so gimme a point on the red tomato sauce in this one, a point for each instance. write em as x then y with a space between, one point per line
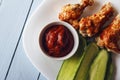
57 41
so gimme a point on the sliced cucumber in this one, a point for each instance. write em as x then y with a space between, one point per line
90 53
70 66
98 67
110 69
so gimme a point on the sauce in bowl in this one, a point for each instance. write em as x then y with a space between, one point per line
56 40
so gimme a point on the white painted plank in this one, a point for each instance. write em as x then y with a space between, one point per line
42 77
12 17
1 2
26 68
21 68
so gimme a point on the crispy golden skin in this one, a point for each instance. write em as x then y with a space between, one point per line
91 25
72 12
110 37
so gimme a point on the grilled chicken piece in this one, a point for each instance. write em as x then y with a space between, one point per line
91 25
72 12
110 37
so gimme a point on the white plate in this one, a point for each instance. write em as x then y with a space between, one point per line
48 12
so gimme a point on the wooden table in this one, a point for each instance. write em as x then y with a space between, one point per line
14 65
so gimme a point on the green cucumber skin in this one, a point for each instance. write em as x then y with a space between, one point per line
99 65
70 66
110 69
109 76
90 53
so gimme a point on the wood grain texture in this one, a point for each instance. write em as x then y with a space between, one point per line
12 18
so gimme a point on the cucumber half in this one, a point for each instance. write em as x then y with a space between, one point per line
99 66
70 66
110 68
89 55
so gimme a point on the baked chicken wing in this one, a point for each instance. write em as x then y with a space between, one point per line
72 12
91 25
110 37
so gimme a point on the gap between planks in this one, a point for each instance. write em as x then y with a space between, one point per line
19 41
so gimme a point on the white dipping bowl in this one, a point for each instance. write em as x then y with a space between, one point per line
74 34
